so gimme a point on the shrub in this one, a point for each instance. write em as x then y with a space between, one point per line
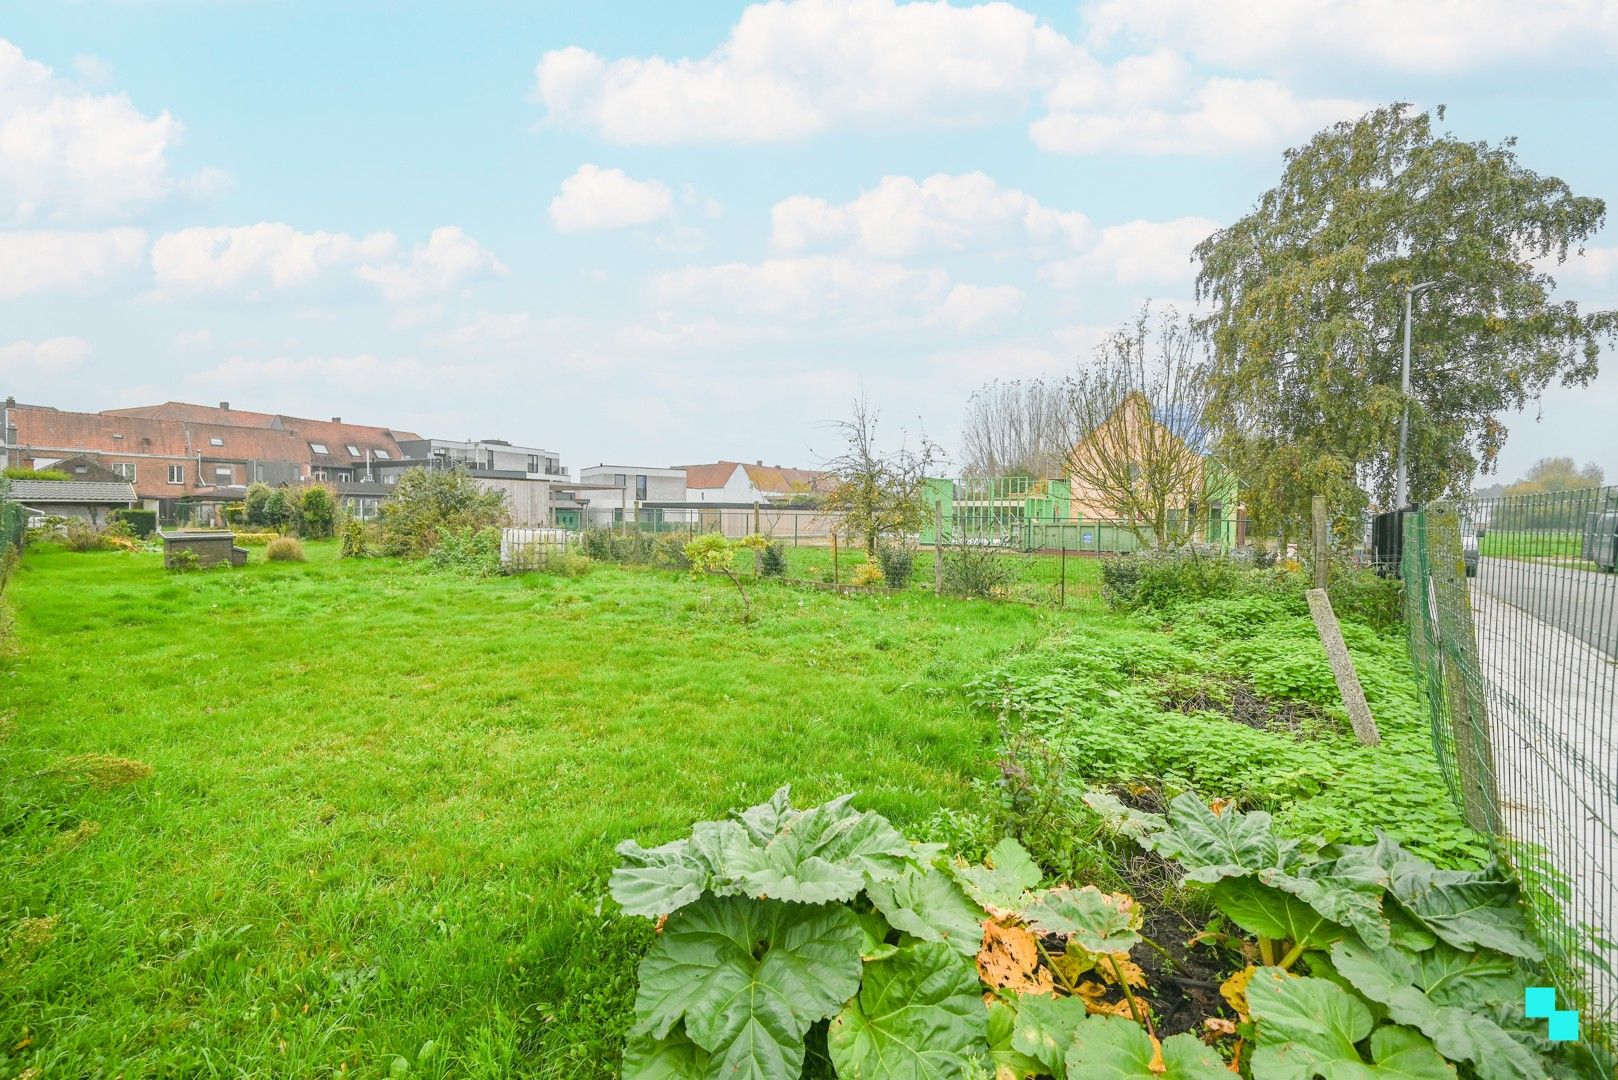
19 473
713 553
140 522
974 570
254 539
772 560
468 552
428 504
317 512
564 563
183 561
235 514
353 539
1362 594
669 552
636 547
80 535
1156 579
253 506
898 561
284 549
866 575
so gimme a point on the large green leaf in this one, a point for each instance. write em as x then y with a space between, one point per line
1347 891
928 904
919 1016
825 854
1007 1061
1388 977
1469 978
674 1057
1097 922
1045 1027
748 978
1212 846
1112 1048
661 880
828 853
1310 1027
1265 911
1000 885
1124 820
1469 909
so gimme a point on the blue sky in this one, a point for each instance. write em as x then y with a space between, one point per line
666 233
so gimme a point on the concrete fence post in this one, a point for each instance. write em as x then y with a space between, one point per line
1322 539
938 548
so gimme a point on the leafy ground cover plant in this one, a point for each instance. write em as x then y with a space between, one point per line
1233 697
780 929
713 553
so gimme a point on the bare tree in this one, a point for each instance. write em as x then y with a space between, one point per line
1137 427
1014 429
878 491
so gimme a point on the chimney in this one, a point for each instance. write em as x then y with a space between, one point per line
225 405
337 419
759 462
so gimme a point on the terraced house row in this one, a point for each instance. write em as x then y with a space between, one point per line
188 462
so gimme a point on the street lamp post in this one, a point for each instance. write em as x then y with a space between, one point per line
1400 486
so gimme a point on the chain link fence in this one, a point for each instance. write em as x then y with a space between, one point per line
13 523
1512 606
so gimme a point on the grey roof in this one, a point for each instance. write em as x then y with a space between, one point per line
38 492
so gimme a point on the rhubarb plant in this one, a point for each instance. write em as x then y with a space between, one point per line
779 926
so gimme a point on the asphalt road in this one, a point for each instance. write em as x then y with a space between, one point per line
1582 603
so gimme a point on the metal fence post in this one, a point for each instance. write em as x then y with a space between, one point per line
834 556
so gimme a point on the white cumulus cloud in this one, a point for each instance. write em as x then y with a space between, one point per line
52 260
793 69
594 198
975 308
903 217
1135 253
53 355
270 253
1446 35
68 155
449 260
790 69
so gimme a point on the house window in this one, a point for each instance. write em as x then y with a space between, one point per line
223 474
81 469
320 474
216 441
619 479
640 487
319 448
380 455
353 451
176 474
488 460
125 469
343 477
533 463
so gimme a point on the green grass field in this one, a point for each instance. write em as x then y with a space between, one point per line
382 803
1529 544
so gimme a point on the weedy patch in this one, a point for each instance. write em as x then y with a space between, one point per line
1237 700
32 934
100 771
82 833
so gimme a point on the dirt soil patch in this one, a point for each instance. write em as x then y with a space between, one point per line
1236 699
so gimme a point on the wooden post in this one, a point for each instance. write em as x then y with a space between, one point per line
1322 539
938 548
834 556
1342 668
1061 600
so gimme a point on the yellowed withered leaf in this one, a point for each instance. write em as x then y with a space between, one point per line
1009 960
1094 996
1234 990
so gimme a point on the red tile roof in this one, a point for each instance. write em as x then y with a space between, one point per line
767 478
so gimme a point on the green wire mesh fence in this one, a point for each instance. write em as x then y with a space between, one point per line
1512 606
13 524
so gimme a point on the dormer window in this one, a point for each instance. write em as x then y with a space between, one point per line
319 448
381 455
353 451
216 441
